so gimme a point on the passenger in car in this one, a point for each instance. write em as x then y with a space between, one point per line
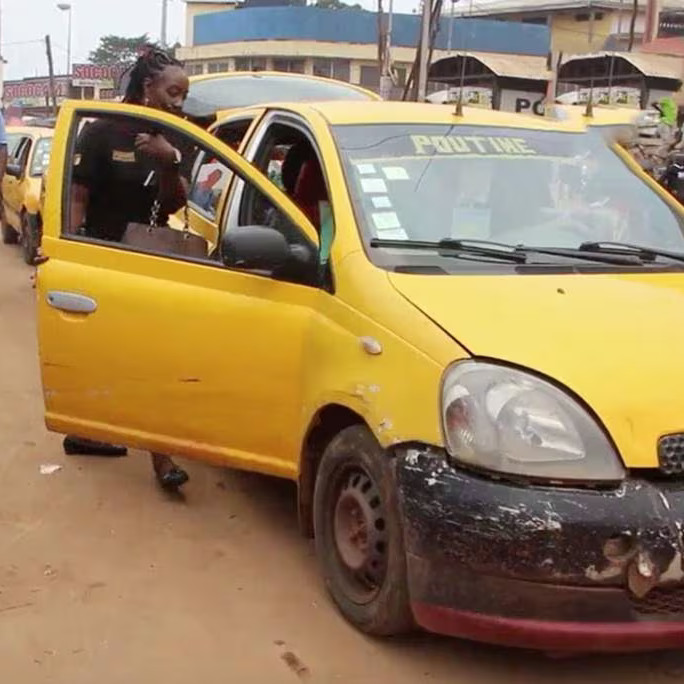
120 170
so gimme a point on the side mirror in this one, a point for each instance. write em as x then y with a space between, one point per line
259 248
14 170
254 248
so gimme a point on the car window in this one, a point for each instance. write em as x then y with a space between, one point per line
210 179
41 157
13 140
515 186
251 89
287 155
20 153
119 191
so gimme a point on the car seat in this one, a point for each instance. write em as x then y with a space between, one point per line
309 190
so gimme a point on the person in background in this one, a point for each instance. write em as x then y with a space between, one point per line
3 162
113 164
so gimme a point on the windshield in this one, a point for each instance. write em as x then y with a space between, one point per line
244 91
41 156
513 186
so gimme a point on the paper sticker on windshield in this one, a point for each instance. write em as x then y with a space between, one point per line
385 220
476 145
365 169
382 202
373 185
394 173
396 234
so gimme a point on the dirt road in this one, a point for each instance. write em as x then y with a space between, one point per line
103 579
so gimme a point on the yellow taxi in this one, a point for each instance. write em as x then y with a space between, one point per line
28 155
214 95
458 334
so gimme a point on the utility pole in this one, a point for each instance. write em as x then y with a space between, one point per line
51 72
164 22
424 51
652 20
385 23
632 25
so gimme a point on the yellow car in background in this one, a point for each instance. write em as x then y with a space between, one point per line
28 155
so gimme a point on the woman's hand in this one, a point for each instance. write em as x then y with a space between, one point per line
157 147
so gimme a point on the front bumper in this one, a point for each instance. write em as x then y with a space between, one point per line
542 567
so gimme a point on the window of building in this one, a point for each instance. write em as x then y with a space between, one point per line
194 69
341 70
400 76
293 66
535 20
370 76
586 16
322 67
219 67
332 68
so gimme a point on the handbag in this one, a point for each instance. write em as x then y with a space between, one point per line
164 239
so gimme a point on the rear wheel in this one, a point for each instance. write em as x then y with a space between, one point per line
359 537
28 239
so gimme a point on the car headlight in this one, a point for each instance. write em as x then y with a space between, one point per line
509 421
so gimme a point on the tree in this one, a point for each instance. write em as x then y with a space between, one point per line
114 50
335 4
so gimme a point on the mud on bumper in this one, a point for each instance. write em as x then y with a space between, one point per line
542 567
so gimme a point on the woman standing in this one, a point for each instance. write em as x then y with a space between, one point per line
120 171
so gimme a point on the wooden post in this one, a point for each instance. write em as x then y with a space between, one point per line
424 51
632 25
51 72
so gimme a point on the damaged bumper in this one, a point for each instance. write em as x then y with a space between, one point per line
542 567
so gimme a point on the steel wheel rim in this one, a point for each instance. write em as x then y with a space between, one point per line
359 534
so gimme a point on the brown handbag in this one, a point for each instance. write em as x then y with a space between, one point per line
164 239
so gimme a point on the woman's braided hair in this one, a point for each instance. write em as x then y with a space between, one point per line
150 64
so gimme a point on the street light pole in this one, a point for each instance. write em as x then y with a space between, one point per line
164 22
66 7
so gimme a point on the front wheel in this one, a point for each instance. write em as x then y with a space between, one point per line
359 537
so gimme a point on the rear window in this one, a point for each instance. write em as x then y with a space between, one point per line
237 91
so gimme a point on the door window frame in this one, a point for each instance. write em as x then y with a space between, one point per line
250 153
75 114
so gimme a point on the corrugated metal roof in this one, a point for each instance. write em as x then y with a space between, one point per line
488 7
509 66
655 66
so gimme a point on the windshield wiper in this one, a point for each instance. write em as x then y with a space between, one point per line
453 247
518 254
625 248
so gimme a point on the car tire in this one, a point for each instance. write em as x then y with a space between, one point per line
28 240
359 535
9 235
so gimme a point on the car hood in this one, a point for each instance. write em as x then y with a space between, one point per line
616 341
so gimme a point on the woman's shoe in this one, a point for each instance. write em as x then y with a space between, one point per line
172 480
78 446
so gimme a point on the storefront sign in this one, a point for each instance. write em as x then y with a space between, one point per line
32 92
97 76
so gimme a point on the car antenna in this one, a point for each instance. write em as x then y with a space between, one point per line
464 58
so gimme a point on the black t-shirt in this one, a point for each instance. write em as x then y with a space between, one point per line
122 183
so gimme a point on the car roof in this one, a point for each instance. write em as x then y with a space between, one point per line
34 131
386 112
602 115
280 75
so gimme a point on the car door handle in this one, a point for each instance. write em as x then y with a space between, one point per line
71 302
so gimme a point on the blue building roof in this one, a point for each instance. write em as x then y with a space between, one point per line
360 26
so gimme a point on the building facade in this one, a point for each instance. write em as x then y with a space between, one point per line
334 43
576 26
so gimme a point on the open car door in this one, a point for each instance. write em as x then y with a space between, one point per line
200 357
